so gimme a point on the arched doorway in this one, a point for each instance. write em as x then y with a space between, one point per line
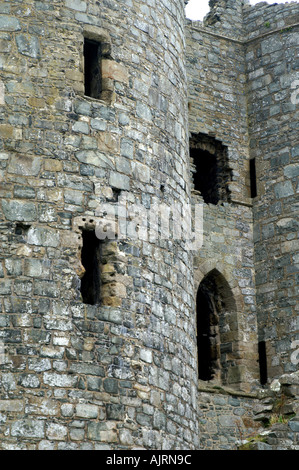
217 329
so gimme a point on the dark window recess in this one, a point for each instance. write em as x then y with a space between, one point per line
209 165
253 187
217 331
22 229
92 68
205 367
91 258
263 362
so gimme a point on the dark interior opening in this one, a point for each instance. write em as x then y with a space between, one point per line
91 254
205 371
210 168
253 187
217 332
92 68
205 178
263 362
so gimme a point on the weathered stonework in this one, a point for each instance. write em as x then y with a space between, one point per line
121 371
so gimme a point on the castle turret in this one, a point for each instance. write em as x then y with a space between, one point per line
98 340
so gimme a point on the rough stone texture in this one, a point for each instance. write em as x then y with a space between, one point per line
103 375
225 418
123 374
216 70
273 116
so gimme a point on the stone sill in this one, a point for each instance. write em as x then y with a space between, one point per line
223 390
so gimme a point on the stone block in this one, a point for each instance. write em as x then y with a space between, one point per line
101 432
284 189
28 429
291 171
11 406
143 111
92 157
2 93
125 437
9 23
53 165
294 424
39 365
40 236
13 267
127 148
111 386
28 45
28 381
87 411
56 432
77 5
114 71
24 192
81 127
108 142
24 165
119 181
115 412
6 131
46 289
39 268
59 380
88 369
19 210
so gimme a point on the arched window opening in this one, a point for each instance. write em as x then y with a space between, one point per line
217 330
210 170
207 334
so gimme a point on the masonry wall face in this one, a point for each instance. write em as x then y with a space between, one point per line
272 66
122 374
217 108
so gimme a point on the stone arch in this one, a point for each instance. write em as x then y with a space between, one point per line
207 266
218 332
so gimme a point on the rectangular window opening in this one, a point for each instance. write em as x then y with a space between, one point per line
263 362
91 260
92 68
211 174
253 187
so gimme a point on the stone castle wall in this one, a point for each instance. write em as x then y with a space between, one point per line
242 91
121 372
217 107
272 68
75 375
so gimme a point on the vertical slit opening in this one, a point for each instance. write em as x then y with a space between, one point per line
205 371
253 187
263 362
91 258
92 68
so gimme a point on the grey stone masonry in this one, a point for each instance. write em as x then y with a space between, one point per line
148 226
120 373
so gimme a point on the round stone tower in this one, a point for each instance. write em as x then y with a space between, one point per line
98 346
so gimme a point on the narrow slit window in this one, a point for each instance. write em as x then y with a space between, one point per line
91 259
253 187
263 362
92 68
